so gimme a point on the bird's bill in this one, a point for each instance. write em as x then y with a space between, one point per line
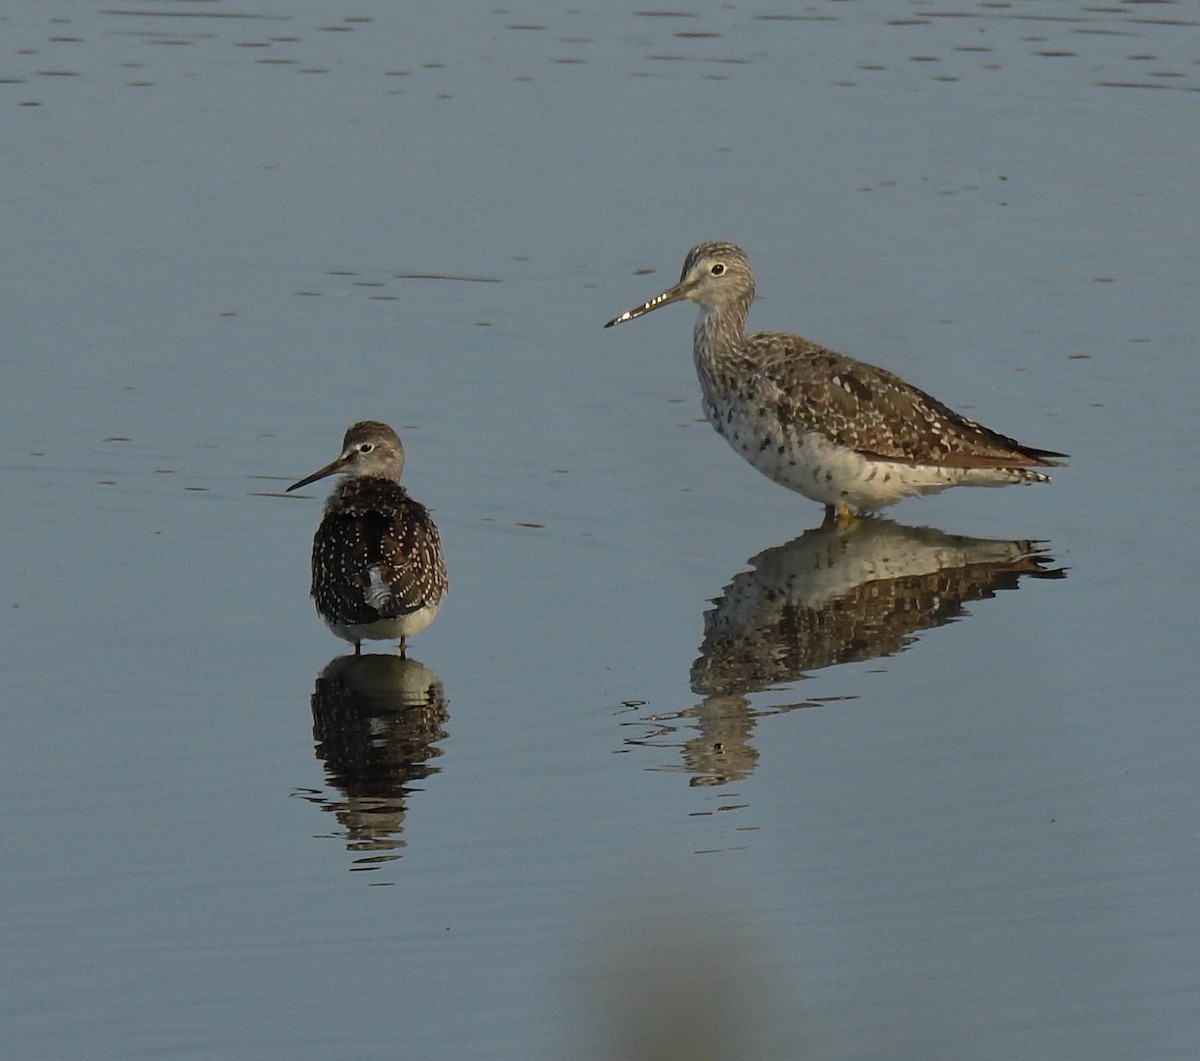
673 294
332 468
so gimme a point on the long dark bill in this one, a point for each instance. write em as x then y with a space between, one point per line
673 294
332 468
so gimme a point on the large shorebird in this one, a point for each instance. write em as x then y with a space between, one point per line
839 431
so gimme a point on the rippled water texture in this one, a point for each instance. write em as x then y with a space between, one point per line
673 773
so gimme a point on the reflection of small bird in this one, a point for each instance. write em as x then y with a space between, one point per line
377 569
377 721
841 432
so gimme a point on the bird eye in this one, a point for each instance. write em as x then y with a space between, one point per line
366 447
718 269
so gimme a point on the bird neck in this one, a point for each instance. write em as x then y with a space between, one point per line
718 335
365 489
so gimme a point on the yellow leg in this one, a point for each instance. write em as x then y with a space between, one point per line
838 516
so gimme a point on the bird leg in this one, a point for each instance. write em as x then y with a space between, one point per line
838 516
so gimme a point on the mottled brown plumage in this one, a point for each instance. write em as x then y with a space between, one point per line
838 594
377 567
847 434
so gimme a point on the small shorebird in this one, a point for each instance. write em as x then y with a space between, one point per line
377 568
847 434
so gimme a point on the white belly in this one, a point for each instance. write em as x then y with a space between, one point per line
386 629
834 475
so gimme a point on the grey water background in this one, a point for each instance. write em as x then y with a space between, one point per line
573 827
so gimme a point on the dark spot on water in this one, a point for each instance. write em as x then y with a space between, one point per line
448 276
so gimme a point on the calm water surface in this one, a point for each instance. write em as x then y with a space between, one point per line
672 771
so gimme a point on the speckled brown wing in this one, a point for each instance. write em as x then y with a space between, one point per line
376 554
875 412
411 551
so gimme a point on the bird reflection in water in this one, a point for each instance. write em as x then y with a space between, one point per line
836 594
376 721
